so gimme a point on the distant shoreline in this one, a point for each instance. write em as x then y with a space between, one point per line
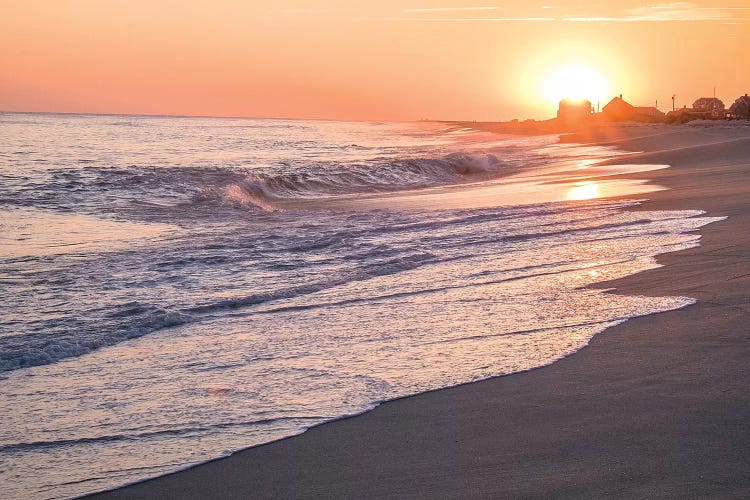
555 126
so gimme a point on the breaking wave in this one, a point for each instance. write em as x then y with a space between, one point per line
262 189
142 191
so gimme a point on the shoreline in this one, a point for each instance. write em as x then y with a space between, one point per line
603 421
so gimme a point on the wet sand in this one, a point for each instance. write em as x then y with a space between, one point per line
656 407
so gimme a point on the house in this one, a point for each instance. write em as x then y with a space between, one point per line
618 110
740 108
571 110
710 108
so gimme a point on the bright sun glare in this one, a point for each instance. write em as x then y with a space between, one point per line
575 82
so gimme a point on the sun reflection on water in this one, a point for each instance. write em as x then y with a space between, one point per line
583 191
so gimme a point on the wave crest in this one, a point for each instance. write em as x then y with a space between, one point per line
262 189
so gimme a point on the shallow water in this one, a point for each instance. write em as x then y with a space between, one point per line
176 289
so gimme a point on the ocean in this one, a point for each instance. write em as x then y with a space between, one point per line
176 289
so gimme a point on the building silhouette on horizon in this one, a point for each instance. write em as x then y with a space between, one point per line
710 107
740 109
619 110
573 110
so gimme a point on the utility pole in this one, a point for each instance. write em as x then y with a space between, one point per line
673 96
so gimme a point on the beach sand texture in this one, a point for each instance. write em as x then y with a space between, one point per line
657 407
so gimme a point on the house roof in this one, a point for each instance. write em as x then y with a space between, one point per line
741 105
618 104
708 103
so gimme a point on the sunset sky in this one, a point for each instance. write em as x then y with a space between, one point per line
339 59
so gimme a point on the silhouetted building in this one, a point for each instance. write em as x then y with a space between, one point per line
618 110
573 110
710 108
740 108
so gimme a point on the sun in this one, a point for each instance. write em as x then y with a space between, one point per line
575 82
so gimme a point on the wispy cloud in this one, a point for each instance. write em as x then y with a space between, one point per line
666 12
680 11
476 19
448 9
681 5
674 11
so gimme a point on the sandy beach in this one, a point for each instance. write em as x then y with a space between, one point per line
657 407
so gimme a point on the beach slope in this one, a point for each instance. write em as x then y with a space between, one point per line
656 407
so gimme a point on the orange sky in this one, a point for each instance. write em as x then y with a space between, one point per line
394 59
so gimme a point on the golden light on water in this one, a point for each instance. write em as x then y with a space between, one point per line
575 82
584 191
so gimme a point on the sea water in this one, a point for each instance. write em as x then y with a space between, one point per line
175 289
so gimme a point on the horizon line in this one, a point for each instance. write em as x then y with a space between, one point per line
228 117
